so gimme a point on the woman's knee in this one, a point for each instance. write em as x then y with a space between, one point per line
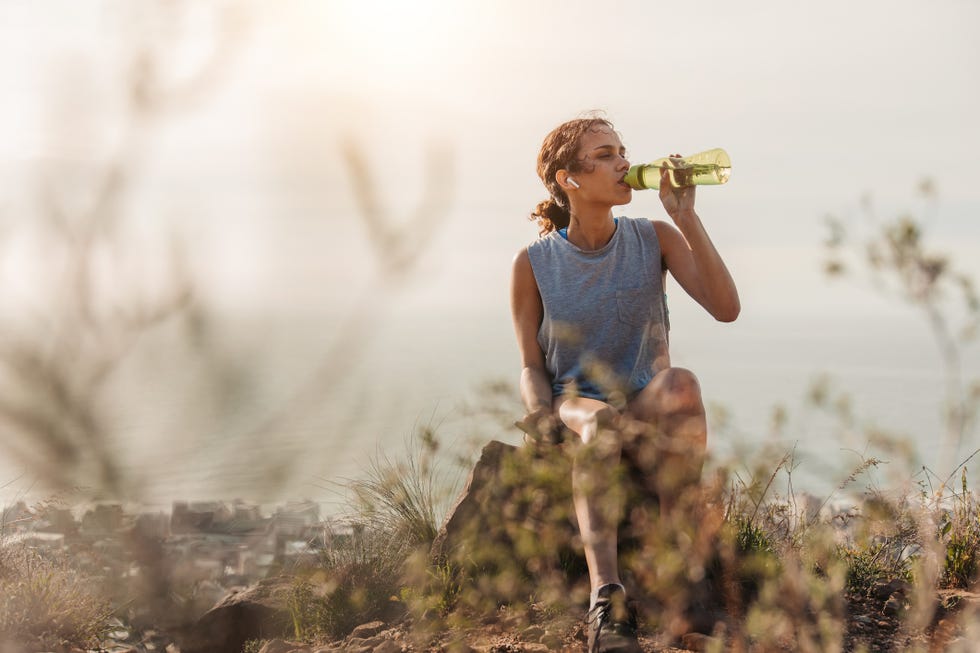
682 385
673 391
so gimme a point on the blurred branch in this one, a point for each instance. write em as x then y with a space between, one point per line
150 89
898 261
51 417
59 422
399 250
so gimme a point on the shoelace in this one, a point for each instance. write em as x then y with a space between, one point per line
598 616
601 616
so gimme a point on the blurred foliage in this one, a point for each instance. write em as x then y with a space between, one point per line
68 367
56 369
895 255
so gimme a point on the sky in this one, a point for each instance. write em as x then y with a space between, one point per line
820 106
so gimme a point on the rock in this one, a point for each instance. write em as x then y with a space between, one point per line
363 643
513 523
369 629
894 605
512 520
388 646
280 646
532 634
883 590
480 647
701 642
957 598
258 612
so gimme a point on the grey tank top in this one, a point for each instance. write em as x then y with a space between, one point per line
605 328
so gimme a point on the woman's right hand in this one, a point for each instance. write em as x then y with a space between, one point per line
542 426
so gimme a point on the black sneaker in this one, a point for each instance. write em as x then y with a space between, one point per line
612 624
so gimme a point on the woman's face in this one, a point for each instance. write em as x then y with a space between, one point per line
602 165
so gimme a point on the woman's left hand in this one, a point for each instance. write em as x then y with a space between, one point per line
676 201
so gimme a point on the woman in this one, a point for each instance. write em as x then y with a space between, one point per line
591 320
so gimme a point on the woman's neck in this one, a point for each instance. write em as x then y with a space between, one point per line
590 231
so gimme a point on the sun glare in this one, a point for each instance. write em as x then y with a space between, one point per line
397 24
398 42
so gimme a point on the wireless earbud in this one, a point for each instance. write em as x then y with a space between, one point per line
572 182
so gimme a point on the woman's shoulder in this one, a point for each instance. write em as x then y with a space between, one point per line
648 224
639 223
541 244
648 234
643 226
526 254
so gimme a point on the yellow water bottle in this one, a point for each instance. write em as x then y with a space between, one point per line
701 169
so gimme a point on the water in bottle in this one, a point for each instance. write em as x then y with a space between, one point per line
704 168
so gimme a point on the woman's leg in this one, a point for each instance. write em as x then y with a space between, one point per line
669 433
597 492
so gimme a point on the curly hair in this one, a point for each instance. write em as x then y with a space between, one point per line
560 151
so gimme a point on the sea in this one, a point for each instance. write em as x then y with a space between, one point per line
271 410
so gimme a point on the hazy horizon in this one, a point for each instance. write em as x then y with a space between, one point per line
821 107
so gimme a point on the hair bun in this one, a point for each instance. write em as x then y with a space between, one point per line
550 216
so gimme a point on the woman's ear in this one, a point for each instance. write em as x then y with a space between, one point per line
564 180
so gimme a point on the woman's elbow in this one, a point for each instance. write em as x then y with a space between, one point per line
729 312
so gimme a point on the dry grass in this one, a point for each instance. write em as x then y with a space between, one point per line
392 515
44 603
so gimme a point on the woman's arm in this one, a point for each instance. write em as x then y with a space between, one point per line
692 258
527 311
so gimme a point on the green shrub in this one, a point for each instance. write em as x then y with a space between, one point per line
751 538
880 561
435 592
959 531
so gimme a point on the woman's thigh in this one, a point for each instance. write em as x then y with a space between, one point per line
580 414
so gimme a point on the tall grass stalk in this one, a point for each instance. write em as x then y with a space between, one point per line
403 499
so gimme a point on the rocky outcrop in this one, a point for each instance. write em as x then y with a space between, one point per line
514 526
258 612
514 514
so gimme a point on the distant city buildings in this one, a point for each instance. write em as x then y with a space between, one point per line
215 542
